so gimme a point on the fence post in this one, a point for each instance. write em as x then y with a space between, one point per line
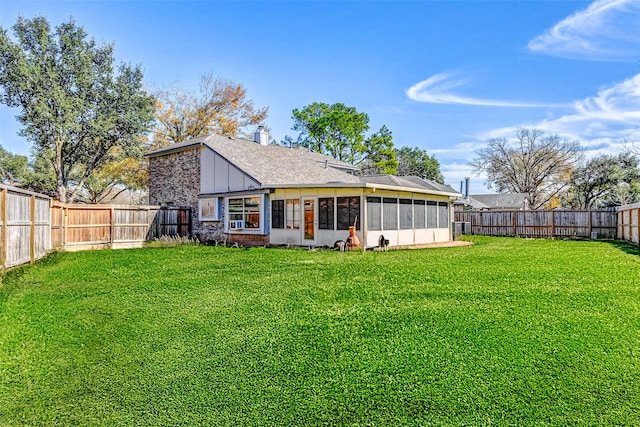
3 214
65 228
553 224
513 223
32 237
589 222
112 229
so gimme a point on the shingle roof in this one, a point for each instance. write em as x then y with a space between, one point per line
511 201
274 165
406 181
495 201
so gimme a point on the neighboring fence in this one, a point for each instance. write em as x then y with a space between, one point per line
31 225
24 226
595 224
629 223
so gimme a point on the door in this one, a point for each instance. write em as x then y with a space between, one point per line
309 220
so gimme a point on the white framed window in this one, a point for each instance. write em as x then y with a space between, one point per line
293 214
209 209
244 213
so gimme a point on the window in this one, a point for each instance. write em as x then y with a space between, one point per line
432 215
209 209
443 215
374 213
244 213
406 214
419 217
325 214
277 214
389 213
348 212
293 214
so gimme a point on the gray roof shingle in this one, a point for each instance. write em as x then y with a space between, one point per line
274 165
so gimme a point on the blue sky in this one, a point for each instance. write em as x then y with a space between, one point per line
442 75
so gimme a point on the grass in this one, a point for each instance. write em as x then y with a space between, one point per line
506 332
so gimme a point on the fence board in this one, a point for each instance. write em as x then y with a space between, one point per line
629 223
31 225
24 226
542 223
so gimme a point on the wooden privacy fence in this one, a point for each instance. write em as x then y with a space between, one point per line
31 225
594 224
24 226
629 222
78 226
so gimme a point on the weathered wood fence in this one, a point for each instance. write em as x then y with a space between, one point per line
25 221
593 224
629 223
31 225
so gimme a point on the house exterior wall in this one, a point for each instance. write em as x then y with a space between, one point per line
414 236
220 176
174 180
368 237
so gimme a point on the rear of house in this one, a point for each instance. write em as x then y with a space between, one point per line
253 193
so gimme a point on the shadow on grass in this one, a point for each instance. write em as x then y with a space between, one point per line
626 247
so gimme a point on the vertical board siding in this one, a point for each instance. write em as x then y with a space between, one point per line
542 223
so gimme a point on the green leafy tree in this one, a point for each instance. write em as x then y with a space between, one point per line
13 167
535 165
606 180
75 107
339 132
416 161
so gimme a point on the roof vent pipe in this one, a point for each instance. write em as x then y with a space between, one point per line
466 187
261 136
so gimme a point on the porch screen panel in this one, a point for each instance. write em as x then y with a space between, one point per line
406 214
326 214
277 214
432 215
348 212
374 213
443 215
419 218
389 213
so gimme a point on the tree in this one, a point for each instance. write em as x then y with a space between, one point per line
13 168
221 107
415 161
535 165
75 108
606 180
339 132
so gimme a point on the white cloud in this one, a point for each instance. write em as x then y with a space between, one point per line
601 123
606 30
437 90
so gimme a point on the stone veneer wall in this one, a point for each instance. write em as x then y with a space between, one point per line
174 180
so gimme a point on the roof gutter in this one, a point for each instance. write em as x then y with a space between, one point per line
367 185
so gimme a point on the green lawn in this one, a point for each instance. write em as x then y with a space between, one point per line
506 332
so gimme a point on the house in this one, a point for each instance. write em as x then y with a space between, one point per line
256 194
515 201
502 201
